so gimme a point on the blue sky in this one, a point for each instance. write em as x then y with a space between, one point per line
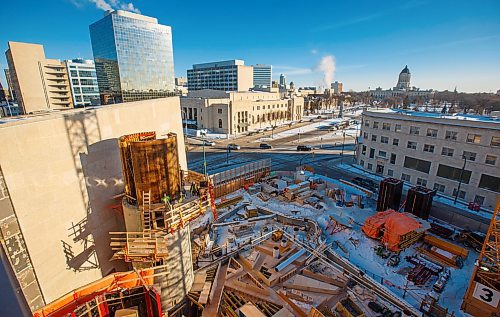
444 43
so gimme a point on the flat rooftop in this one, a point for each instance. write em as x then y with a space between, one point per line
436 115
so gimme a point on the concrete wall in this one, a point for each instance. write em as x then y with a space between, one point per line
61 171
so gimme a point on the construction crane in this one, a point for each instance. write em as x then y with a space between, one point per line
483 294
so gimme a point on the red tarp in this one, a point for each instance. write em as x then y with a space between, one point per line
395 225
374 224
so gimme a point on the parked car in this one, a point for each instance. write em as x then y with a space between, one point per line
234 146
268 128
208 143
366 183
265 146
304 148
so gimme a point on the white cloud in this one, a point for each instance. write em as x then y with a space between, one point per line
106 5
314 51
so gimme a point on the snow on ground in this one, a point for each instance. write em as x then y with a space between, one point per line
303 129
360 248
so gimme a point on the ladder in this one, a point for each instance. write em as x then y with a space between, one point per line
212 199
146 213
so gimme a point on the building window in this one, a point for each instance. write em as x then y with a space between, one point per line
375 124
406 177
490 183
220 123
369 166
395 142
490 159
439 187
469 156
219 110
384 139
390 172
451 135
362 163
386 126
495 141
421 182
461 194
429 148
258 107
367 123
479 200
453 173
417 164
382 153
446 151
372 153
365 135
412 145
393 158
397 128
374 138
414 130
433 133
363 150
473 138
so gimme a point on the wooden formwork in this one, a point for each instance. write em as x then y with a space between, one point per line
235 178
150 164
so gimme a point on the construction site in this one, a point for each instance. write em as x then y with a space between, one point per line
253 241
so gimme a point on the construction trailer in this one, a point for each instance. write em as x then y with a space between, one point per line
483 294
389 194
419 201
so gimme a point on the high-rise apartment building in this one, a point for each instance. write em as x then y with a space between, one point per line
230 75
40 84
133 57
83 81
337 87
262 75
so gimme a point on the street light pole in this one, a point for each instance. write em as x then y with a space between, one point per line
460 181
342 153
204 157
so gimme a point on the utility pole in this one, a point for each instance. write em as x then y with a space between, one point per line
460 181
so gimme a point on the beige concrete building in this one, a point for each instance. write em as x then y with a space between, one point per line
40 84
59 173
238 112
430 149
232 75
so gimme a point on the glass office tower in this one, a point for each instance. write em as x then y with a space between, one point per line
133 57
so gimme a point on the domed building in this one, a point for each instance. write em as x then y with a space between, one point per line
402 89
404 79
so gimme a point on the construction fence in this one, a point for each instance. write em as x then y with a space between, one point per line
233 179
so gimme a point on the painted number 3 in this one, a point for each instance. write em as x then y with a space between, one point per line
487 296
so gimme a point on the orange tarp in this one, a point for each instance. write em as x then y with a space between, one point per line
374 224
67 303
396 225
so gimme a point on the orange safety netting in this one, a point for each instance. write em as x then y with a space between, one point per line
374 224
397 225
69 302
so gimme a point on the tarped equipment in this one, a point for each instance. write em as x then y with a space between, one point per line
374 224
397 226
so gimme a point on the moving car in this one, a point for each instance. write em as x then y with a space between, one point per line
208 143
304 148
265 146
234 146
